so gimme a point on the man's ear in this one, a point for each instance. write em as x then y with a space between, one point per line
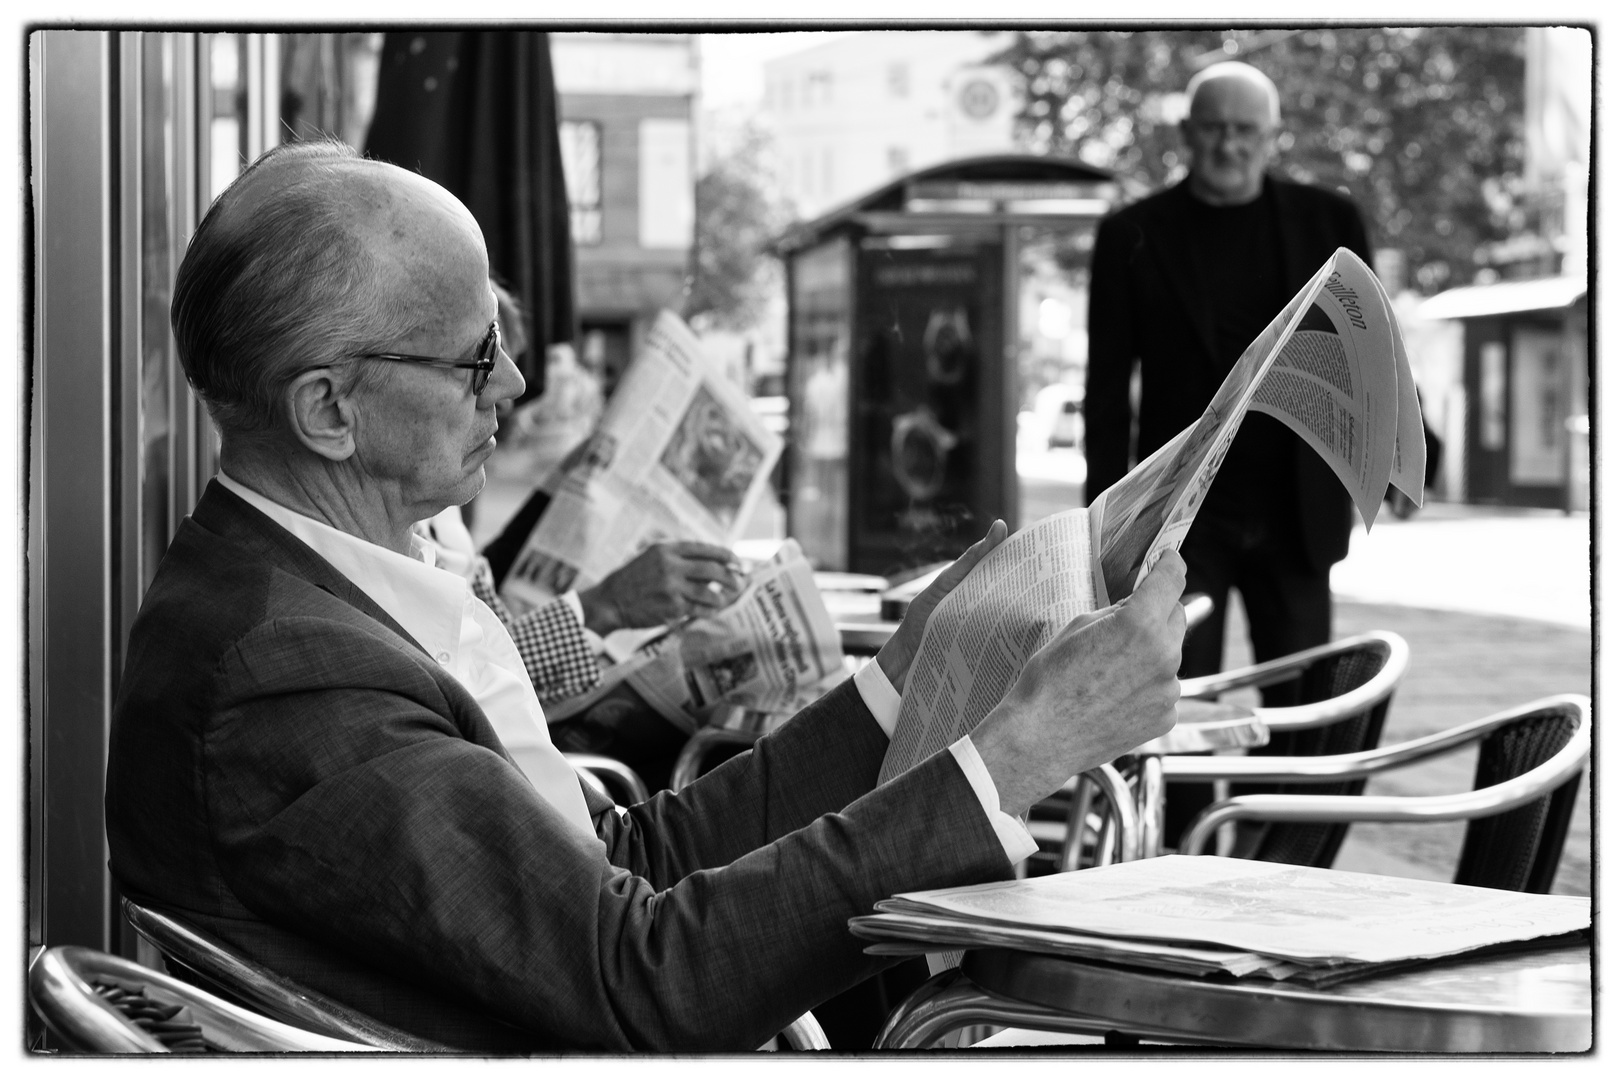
320 414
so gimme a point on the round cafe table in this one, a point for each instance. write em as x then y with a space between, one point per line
1535 1001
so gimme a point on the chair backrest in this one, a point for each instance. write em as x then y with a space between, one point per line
1520 849
1530 762
201 958
93 1002
1335 672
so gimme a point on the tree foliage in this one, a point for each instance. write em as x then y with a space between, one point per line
1422 126
732 276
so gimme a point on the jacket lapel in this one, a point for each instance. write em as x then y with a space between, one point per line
222 512
1297 265
1166 235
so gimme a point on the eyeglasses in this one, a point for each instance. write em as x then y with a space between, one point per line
488 350
1214 130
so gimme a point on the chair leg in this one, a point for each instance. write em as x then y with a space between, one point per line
1074 828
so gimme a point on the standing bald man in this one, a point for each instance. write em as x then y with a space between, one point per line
1181 283
312 753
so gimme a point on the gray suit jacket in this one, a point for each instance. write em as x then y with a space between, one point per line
292 772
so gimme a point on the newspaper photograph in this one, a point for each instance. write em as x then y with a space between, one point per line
677 455
771 651
1330 366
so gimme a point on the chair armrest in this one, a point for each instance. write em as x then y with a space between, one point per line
59 987
216 966
595 766
1495 799
1327 768
1316 714
805 1034
689 762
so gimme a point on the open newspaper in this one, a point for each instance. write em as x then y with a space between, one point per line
677 455
770 652
1331 366
1204 914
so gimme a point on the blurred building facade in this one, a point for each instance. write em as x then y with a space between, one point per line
626 112
859 110
1504 363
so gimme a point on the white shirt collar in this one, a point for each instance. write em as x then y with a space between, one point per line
426 601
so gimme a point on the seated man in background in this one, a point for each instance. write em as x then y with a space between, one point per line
303 760
561 640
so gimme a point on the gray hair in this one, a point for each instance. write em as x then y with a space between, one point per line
275 282
1236 69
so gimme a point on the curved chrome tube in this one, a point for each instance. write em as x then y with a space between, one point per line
630 784
1316 714
1122 805
1495 799
690 760
949 1002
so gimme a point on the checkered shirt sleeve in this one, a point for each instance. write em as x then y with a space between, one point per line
550 639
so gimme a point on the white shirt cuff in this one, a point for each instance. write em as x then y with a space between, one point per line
881 699
592 638
1014 837
884 704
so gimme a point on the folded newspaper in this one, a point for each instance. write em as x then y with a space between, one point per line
752 664
1207 915
1331 366
679 455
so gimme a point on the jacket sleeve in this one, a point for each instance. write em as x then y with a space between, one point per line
374 821
1111 354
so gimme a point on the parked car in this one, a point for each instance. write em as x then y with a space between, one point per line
1057 415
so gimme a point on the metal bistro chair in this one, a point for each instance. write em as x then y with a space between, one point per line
1529 771
610 777
201 958
1344 690
96 1003
214 965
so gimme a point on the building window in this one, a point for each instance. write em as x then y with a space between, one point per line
818 87
899 80
582 171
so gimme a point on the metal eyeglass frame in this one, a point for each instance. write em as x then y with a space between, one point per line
489 349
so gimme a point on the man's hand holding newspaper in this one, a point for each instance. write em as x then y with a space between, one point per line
1103 686
1331 366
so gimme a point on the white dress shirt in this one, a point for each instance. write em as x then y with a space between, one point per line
437 607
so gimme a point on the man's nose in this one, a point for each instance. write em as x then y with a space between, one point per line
505 382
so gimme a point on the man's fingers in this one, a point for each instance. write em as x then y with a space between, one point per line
1164 584
697 549
953 574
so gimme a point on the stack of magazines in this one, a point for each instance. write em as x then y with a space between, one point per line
1206 915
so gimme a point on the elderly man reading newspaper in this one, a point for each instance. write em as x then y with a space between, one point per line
303 760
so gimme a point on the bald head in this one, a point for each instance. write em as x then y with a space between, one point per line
311 257
1231 125
1238 78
